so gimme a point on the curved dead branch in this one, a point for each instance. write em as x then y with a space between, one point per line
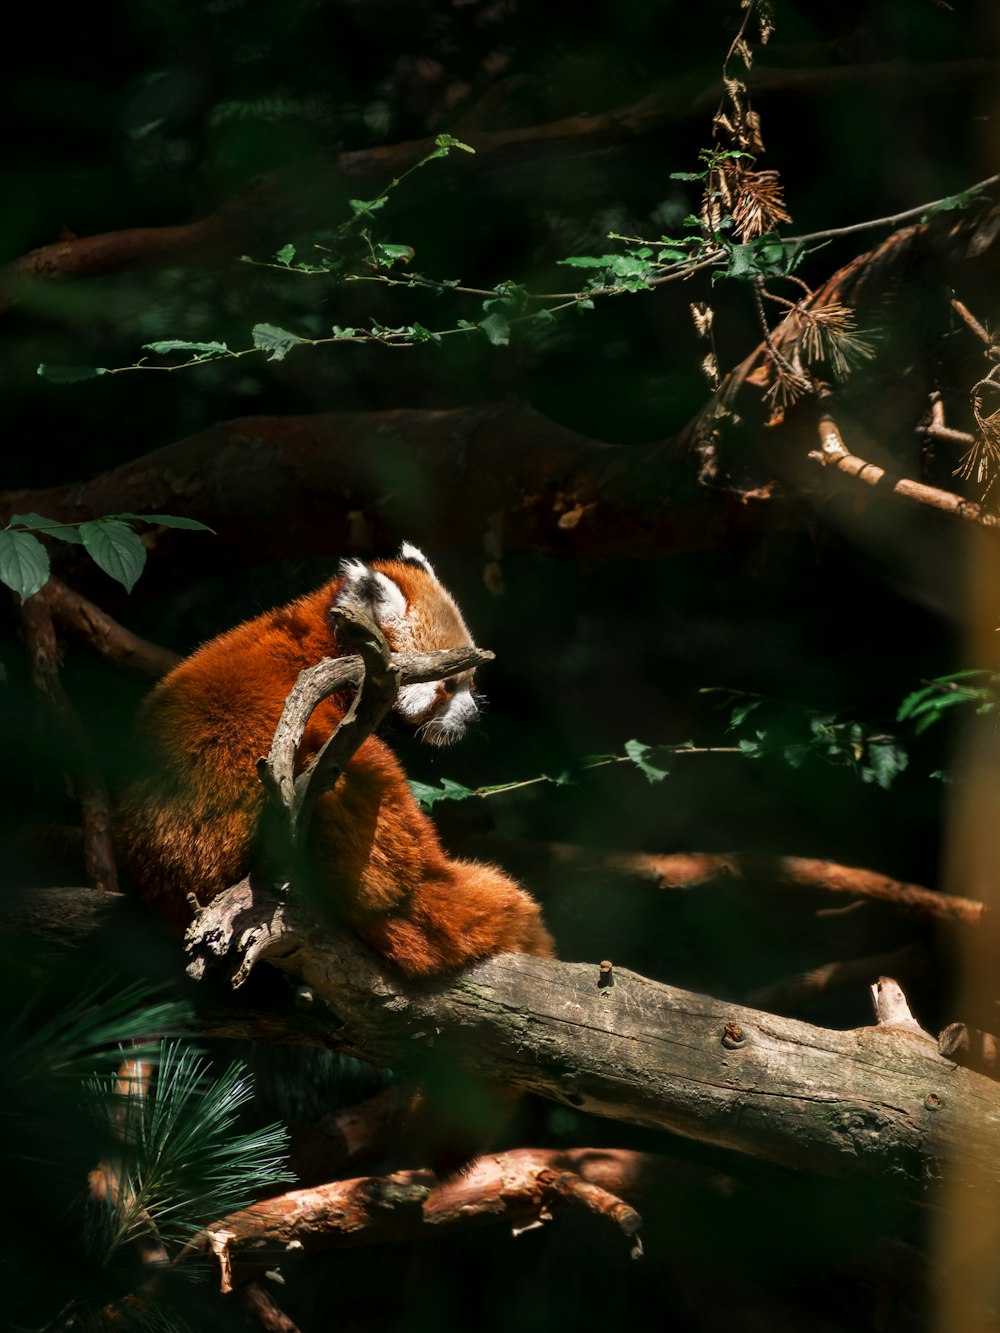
520 1188
378 675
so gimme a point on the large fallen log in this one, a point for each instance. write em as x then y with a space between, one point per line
872 1102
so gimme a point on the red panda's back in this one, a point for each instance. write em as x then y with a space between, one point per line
187 823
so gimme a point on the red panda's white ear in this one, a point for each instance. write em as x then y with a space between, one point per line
413 556
373 591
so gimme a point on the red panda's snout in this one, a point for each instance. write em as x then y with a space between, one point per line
441 711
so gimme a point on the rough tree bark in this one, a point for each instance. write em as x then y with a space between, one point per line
512 1187
502 477
871 1102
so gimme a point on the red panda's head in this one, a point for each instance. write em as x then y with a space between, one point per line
417 615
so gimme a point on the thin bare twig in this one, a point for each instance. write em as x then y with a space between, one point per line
946 434
963 311
893 220
834 453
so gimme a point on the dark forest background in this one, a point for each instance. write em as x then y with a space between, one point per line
825 604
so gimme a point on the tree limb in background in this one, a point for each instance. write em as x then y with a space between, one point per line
758 872
834 453
113 641
299 197
518 1188
499 469
910 962
323 1150
263 1309
78 759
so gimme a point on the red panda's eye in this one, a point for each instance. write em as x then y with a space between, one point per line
449 686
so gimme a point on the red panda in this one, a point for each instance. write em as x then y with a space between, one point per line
188 823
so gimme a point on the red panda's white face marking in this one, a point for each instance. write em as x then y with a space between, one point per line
417 614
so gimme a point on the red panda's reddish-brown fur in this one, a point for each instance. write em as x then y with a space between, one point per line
188 823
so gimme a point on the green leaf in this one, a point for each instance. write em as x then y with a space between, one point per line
175 345
742 262
952 201
367 205
338 332
886 760
70 374
167 521
926 704
422 335
387 255
286 254
766 257
115 548
278 342
741 712
688 175
427 795
511 295
447 141
638 753
65 532
496 329
24 562
587 261
912 701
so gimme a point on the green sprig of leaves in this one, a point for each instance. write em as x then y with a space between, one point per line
111 542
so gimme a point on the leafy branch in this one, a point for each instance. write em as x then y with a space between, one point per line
736 233
937 698
637 753
788 733
111 542
738 201
791 733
